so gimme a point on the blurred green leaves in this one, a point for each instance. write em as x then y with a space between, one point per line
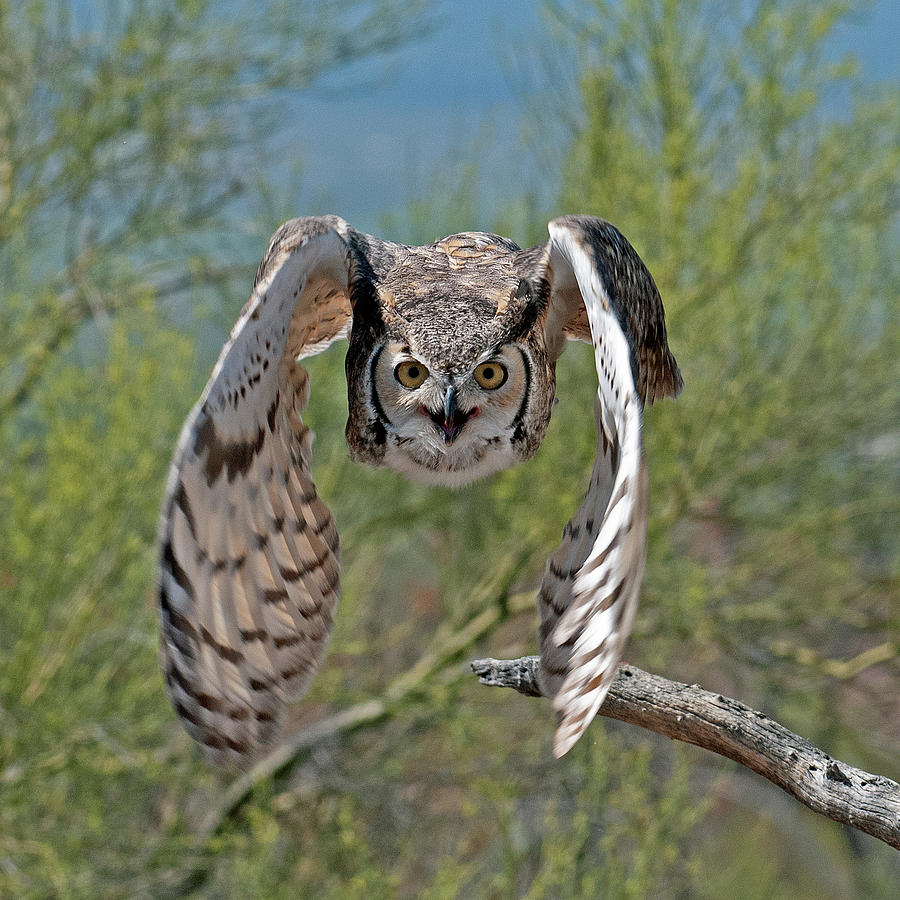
84 726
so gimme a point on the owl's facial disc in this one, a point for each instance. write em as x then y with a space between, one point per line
449 425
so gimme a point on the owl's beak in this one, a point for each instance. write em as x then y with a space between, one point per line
450 419
450 404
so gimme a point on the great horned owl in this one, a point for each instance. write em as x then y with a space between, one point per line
451 376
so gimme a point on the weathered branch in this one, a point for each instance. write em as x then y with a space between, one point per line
688 713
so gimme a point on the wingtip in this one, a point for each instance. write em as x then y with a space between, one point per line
676 384
565 738
665 380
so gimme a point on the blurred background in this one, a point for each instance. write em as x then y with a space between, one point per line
147 150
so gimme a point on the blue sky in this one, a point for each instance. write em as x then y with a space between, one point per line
429 103
433 98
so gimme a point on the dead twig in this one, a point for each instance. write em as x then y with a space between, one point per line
728 727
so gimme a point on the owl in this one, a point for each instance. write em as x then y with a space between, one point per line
450 377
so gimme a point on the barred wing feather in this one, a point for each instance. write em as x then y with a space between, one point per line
589 593
248 570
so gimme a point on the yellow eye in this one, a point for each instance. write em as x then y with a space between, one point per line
490 375
411 374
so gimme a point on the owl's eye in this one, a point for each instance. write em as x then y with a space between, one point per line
411 374
490 375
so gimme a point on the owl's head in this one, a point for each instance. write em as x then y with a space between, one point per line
454 384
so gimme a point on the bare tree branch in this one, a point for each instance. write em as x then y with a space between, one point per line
688 713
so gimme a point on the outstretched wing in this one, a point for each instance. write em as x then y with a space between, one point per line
601 291
248 568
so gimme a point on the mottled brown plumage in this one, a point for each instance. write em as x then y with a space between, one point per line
451 376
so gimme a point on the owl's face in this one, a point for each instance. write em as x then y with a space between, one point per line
451 420
449 427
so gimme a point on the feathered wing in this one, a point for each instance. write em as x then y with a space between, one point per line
601 291
248 569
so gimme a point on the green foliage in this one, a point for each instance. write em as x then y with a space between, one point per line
85 729
759 183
